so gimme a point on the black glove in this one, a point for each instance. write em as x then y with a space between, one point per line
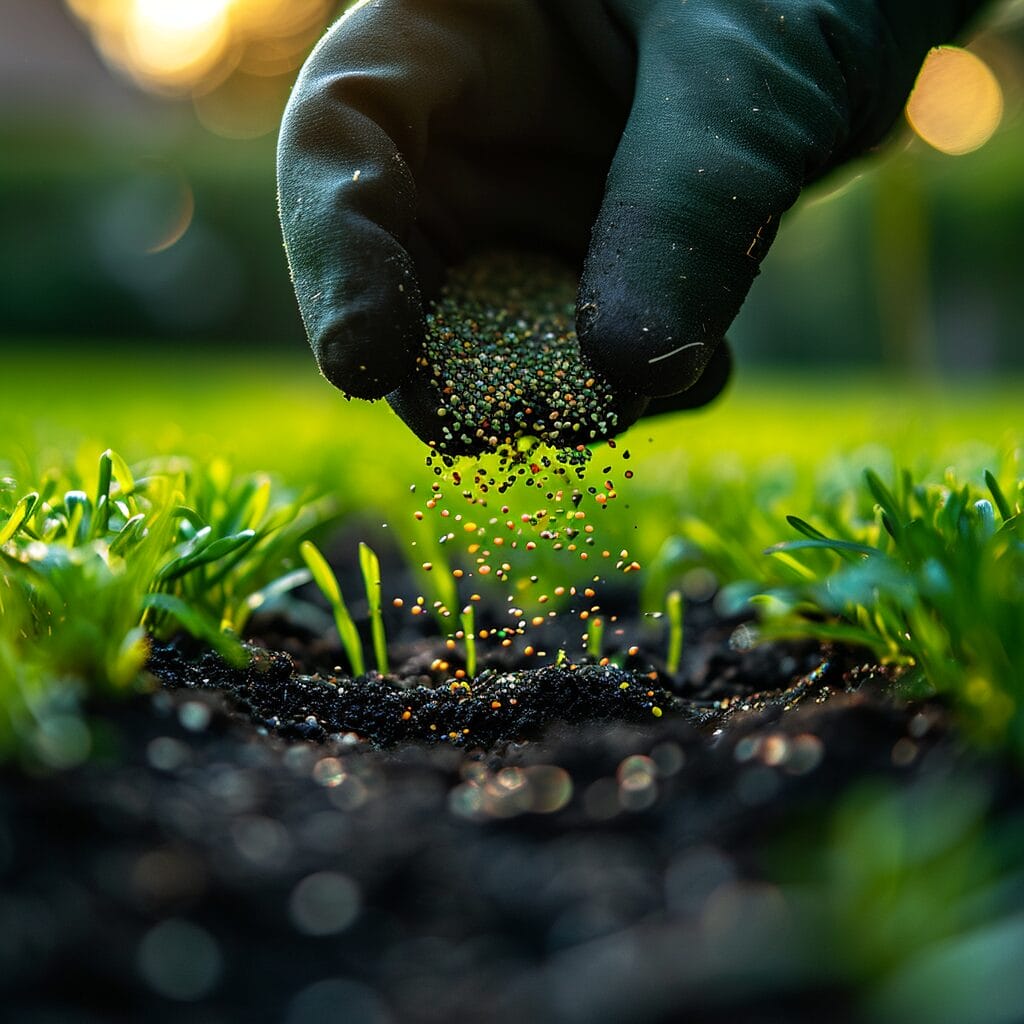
655 143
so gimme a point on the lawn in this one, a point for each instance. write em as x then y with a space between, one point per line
825 820
267 446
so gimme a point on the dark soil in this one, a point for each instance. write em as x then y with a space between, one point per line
269 845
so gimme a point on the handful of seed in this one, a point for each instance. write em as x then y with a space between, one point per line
502 354
502 376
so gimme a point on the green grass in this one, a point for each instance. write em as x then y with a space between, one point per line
904 896
932 579
94 565
467 620
674 617
225 463
325 579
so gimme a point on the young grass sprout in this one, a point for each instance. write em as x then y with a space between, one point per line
595 637
369 565
468 623
87 580
674 615
324 578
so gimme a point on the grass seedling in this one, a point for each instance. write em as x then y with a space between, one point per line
674 615
595 638
369 565
323 576
94 568
468 623
21 512
932 583
87 550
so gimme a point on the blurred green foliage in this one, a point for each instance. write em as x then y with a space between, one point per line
909 259
933 579
842 284
79 213
907 897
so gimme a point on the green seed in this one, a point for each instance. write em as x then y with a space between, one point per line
502 353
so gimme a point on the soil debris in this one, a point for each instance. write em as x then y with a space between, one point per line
493 708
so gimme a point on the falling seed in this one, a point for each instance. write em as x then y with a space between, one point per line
504 364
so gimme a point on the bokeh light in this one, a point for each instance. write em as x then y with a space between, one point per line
957 103
193 48
177 40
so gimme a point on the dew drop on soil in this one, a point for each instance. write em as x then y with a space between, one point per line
328 772
262 841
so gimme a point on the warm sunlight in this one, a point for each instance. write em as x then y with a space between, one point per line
192 46
957 103
177 39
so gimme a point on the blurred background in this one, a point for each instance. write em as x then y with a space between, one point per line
137 196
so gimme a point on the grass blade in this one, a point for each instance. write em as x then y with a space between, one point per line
122 473
191 516
839 546
986 517
595 637
24 508
882 495
102 517
323 576
1005 511
468 622
129 532
674 611
78 508
804 527
369 565
206 553
322 573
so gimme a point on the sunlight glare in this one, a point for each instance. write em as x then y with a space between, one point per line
171 37
183 47
957 102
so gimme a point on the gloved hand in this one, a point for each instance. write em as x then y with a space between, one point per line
654 143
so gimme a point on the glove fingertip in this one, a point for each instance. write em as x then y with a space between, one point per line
656 298
708 387
619 344
368 346
416 405
364 315
358 357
